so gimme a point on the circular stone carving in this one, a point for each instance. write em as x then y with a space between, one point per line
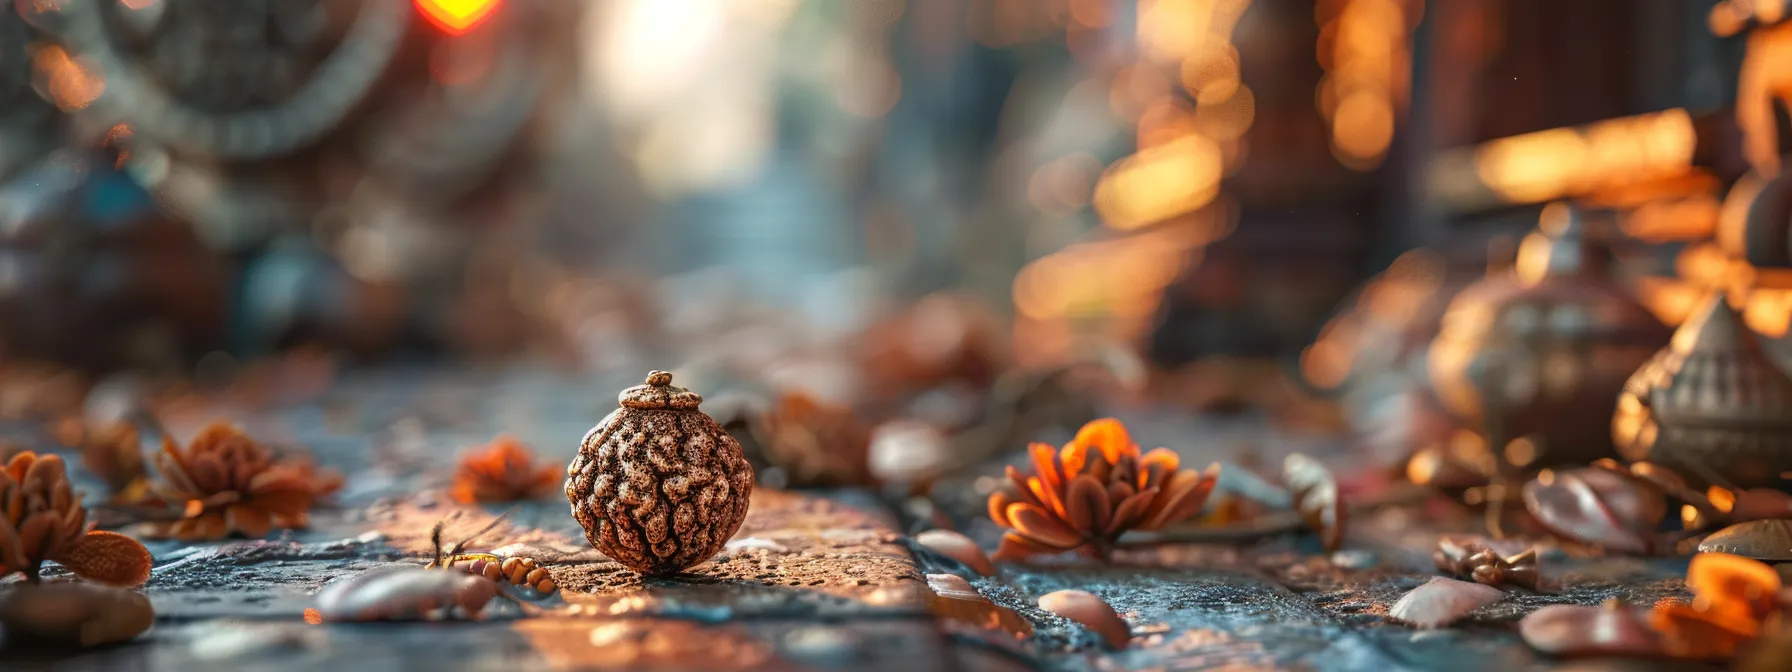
658 485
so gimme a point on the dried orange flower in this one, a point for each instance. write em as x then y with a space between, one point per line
115 453
230 483
40 519
505 471
1097 487
1733 598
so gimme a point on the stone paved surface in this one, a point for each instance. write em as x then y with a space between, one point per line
813 581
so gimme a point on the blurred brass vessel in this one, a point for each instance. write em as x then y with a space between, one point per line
1712 404
1543 352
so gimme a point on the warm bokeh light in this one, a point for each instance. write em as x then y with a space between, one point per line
66 81
1671 220
1211 74
457 17
1227 118
1670 300
1768 311
1362 127
1159 183
1166 120
1559 162
1385 306
1765 79
1364 48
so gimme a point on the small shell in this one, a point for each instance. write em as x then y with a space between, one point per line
907 451
1597 506
957 547
1442 601
1766 540
1091 611
81 614
1761 504
402 593
1575 630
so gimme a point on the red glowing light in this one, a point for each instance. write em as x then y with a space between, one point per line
456 17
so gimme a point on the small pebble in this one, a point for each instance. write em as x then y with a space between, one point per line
957 547
74 613
1091 611
1355 559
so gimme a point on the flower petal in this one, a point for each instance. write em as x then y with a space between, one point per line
1021 491
1073 456
208 473
1157 464
248 521
19 464
1016 547
12 548
109 558
1049 473
998 507
1185 493
1086 505
1108 435
1036 524
1128 513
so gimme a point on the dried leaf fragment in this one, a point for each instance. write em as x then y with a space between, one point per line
1465 558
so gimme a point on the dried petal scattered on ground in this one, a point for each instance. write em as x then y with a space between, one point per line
958 547
1091 611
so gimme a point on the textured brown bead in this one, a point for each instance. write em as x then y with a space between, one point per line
658 485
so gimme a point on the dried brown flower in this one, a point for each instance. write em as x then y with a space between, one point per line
1316 498
1096 488
228 483
816 443
505 471
42 520
1468 559
114 452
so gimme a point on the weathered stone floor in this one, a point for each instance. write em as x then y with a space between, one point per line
813 580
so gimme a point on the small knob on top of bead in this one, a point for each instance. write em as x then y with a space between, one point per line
659 393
